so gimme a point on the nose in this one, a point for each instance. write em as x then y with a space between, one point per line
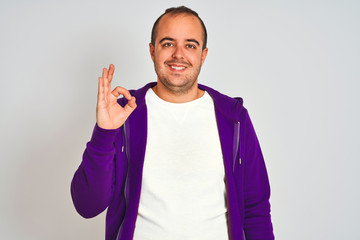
178 52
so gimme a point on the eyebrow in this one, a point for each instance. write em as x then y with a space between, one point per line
193 40
166 39
171 39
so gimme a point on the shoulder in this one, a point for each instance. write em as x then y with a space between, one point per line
231 107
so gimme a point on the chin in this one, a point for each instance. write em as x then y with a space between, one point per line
178 86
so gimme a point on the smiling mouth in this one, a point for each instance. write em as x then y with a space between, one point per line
177 68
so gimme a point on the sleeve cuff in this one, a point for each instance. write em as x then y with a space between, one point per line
103 138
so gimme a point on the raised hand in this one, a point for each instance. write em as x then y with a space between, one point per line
109 114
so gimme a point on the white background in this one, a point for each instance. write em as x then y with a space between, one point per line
295 63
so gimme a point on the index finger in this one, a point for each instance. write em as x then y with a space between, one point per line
121 91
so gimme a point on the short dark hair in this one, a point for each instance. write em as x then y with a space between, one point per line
178 11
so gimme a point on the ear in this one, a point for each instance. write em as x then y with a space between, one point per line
203 56
152 51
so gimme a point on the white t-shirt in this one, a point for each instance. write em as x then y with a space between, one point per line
183 189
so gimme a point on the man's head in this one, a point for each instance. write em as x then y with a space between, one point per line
178 49
177 11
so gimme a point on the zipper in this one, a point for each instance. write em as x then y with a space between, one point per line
124 148
127 159
236 144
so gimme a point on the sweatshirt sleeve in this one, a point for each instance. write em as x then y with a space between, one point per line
257 224
92 186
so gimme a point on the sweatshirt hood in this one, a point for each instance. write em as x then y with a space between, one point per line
230 107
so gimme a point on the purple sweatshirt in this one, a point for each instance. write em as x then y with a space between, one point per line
110 173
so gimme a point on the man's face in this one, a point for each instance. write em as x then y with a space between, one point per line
178 54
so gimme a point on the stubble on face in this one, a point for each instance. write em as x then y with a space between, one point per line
181 84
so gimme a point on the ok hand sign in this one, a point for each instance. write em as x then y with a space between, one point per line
109 114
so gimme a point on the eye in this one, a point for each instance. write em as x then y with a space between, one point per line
192 46
168 44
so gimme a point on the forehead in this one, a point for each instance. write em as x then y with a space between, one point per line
180 26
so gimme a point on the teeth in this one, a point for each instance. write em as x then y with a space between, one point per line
177 68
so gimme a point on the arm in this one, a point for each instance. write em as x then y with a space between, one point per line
93 184
257 223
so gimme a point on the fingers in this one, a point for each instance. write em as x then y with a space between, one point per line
100 88
105 85
111 72
130 107
108 73
104 73
132 103
121 91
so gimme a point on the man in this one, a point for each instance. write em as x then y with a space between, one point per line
174 159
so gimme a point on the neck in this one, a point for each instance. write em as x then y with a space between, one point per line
165 94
